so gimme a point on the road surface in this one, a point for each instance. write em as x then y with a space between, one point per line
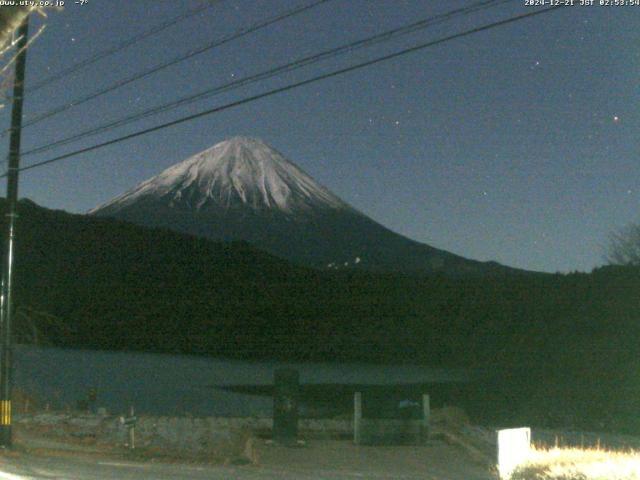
331 460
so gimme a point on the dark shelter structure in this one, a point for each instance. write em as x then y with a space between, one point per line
392 417
382 413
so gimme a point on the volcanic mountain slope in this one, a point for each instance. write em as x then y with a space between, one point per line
242 189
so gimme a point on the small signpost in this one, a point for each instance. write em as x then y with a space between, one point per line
130 423
92 398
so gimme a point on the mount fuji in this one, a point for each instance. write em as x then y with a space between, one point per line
243 190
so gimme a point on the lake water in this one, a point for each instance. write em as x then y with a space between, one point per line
160 384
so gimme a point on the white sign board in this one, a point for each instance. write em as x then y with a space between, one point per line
514 445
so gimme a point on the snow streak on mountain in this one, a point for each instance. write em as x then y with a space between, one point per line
243 190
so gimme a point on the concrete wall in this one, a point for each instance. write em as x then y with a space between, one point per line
171 433
392 431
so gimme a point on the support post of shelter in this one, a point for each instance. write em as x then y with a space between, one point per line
285 406
357 417
426 416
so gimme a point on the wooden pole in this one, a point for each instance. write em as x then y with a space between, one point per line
6 298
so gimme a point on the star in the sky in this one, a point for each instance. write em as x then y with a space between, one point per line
616 119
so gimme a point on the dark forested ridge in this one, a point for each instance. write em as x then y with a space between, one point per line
562 346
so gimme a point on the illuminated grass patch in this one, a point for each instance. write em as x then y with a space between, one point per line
579 464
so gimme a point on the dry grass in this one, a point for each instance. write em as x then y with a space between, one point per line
579 464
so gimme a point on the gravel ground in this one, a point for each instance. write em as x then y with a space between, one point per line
343 460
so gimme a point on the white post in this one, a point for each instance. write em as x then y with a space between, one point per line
514 445
357 417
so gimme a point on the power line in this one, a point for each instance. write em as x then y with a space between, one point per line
121 46
348 48
290 87
174 61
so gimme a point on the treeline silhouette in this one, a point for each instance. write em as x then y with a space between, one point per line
556 350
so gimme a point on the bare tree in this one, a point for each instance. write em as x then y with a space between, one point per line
624 246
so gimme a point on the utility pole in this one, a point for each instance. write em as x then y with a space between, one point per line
6 304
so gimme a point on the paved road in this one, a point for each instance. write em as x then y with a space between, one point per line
71 469
322 461
65 469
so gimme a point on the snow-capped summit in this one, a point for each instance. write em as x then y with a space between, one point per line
242 189
238 172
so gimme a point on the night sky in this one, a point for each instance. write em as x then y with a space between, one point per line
519 144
